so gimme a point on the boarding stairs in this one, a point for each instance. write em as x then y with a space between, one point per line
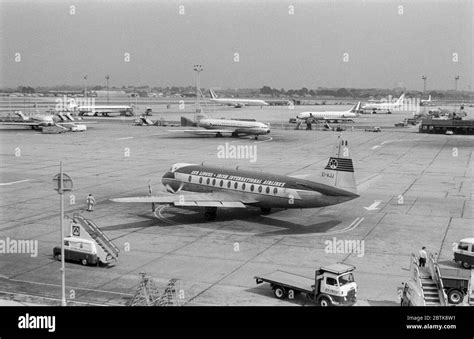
92 232
147 293
470 290
169 295
429 280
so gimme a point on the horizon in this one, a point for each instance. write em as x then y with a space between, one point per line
240 44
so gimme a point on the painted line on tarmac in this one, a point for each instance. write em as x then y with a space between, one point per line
161 216
354 224
70 287
13 182
383 143
125 138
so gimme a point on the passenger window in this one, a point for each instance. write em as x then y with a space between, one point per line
251 188
463 247
267 190
66 243
200 180
189 179
275 190
222 183
228 184
259 189
331 281
243 187
213 182
208 181
236 185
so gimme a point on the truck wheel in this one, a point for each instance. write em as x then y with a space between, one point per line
84 262
325 302
455 296
466 265
58 257
279 292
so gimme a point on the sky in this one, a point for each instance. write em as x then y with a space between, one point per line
240 44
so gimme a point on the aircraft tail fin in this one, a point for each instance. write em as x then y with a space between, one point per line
400 100
356 108
21 115
213 94
339 171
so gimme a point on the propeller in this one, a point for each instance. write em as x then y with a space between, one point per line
149 192
171 190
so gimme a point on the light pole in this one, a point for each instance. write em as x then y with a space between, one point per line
85 87
424 83
107 79
456 78
198 69
61 183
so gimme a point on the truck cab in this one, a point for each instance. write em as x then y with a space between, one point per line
335 284
464 253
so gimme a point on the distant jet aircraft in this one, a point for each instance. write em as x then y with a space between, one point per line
335 116
95 110
236 102
384 106
219 127
428 102
38 121
209 187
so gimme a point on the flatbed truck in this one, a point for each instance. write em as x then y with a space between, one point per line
331 285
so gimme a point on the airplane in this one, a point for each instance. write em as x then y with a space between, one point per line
388 106
427 102
38 121
332 116
208 187
219 127
237 103
94 110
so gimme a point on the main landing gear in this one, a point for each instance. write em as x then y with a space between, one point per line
210 213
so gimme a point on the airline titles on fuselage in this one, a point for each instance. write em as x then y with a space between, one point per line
240 179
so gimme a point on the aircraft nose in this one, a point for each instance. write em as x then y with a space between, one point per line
167 178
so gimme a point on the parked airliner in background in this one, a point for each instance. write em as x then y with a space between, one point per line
95 110
208 187
428 102
335 116
38 121
236 102
220 127
384 106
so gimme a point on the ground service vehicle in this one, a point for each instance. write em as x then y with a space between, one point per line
464 253
83 250
332 285
455 283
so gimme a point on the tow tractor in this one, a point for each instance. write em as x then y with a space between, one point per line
332 285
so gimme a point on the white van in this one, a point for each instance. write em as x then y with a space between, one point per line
464 253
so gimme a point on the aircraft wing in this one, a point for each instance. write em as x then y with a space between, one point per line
20 123
186 199
338 119
203 131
